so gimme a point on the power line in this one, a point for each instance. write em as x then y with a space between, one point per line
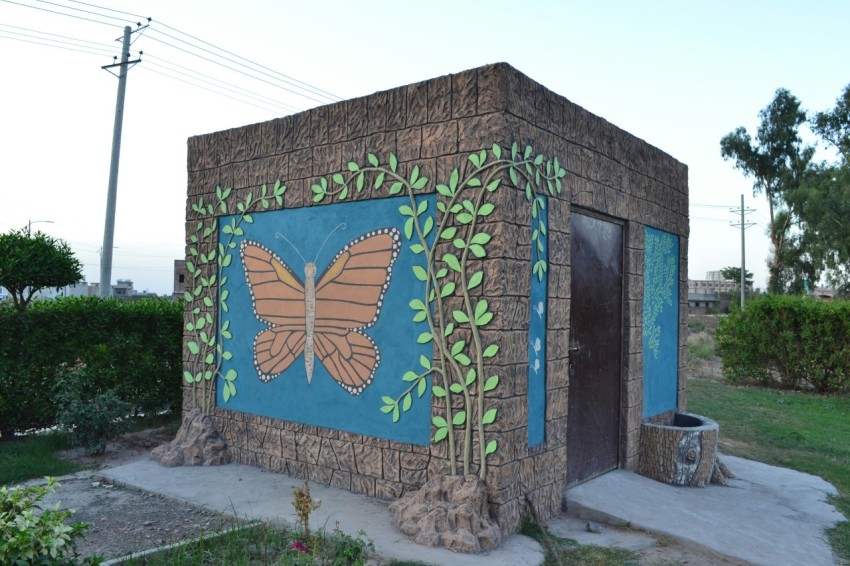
212 81
235 70
265 108
108 9
286 78
101 47
243 65
50 45
61 13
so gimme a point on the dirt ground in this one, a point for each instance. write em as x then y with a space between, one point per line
124 520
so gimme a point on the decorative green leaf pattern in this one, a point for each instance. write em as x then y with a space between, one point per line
462 206
209 336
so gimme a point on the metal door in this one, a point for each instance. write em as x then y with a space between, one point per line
596 316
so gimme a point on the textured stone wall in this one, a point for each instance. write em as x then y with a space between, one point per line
436 124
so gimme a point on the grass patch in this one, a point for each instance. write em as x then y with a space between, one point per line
802 431
261 545
567 552
34 456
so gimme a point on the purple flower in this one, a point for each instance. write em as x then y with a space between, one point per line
299 546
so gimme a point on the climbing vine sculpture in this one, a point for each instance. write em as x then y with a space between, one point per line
453 243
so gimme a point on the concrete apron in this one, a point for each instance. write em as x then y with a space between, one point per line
253 494
768 515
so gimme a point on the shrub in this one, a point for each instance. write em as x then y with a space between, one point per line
91 415
136 346
792 342
32 535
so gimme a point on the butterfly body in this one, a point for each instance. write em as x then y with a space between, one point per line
322 318
309 318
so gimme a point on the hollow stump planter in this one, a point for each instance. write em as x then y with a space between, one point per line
683 452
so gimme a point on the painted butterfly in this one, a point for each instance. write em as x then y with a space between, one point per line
323 318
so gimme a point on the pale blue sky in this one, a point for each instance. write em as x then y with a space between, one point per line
679 75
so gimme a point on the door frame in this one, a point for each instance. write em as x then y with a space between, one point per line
624 334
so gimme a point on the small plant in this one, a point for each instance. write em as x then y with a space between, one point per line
32 535
304 505
92 417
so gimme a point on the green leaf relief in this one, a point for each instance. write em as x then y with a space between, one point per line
456 388
452 261
486 209
491 447
438 391
491 383
475 280
489 417
490 351
441 434
459 418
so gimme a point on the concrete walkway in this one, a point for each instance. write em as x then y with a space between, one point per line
251 493
769 516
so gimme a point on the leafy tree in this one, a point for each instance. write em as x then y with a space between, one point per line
834 125
822 202
31 262
734 274
777 161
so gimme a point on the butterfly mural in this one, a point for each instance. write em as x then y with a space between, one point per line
322 318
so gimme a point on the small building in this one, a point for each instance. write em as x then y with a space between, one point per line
467 275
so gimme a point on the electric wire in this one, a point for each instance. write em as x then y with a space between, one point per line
158 61
81 10
49 45
233 69
108 9
62 13
103 50
286 78
172 77
251 68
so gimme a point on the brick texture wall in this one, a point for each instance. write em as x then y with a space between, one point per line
436 124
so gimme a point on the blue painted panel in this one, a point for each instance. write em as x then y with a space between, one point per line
660 322
318 234
537 336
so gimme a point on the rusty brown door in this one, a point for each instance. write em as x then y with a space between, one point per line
596 317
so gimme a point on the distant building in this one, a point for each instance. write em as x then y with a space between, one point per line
180 280
714 282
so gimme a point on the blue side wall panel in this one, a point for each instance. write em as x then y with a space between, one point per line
660 322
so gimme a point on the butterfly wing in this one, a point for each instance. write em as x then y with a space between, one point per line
277 296
275 349
350 357
349 297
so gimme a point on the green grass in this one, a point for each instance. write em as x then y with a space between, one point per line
263 544
567 552
34 456
801 431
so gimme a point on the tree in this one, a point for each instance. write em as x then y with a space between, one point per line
777 162
734 274
822 201
31 262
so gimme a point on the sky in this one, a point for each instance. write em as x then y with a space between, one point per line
679 75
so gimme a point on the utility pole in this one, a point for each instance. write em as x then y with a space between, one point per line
744 225
109 228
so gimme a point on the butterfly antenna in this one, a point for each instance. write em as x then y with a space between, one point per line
340 226
294 247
